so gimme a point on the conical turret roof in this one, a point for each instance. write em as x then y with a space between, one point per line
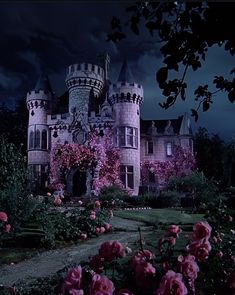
43 83
125 74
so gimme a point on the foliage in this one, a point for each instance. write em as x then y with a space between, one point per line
98 155
169 198
14 197
180 164
186 31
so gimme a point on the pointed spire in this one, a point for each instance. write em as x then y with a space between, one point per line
125 74
43 84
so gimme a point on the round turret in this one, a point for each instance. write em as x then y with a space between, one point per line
81 80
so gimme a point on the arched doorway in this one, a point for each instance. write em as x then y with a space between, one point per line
79 187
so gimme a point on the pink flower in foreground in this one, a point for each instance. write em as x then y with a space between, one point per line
7 228
173 230
201 230
3 216
200 249
124 292
102 230
101 285
97 203
111 250
188 266
92 216
97 230
57 201
83 237
73 279
140 257
172 283
107 226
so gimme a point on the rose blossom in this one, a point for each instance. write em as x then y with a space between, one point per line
48 194
173 230
7 228
220 254
57 201
3 217
124 292
172 283
97 230
76 292
102 230
201 230
200 249
101 285
83 237
97 203
73 279
92 216
188 266
111 250
141 256
107 226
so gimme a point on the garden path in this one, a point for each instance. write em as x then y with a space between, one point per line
49 262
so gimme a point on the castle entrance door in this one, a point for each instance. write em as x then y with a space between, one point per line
79 183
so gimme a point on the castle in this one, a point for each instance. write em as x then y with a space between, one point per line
92 101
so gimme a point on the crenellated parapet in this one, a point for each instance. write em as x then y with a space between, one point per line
122 92
85 76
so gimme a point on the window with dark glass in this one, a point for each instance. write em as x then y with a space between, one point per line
37 139
31 139
127 176
44 139
150 147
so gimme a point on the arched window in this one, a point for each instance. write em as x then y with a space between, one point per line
44 139
37 140
31 137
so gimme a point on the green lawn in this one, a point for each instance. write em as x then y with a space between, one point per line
160 216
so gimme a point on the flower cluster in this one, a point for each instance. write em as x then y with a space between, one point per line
5 227
182 163
98 155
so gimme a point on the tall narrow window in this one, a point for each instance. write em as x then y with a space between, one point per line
169 149
150 147
44 139
127 176
31 139
127 137
37 139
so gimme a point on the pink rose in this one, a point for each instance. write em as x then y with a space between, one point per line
102 230
76 292
200 249
7 228
111 250
57 201
188 266
92 216
73 279
101 285
97 263
107 226
124 292
201 230
97 203
172 283
3 217
97 230
173 230
83 237
140 257
48 194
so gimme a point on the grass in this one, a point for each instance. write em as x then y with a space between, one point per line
15 255
160 216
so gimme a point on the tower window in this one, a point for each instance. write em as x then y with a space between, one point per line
127 137
169 149
127 176
44 139
31 139
37 139
150 147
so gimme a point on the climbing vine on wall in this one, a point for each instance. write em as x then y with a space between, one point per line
98 154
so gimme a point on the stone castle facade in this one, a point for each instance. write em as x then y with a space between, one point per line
92 101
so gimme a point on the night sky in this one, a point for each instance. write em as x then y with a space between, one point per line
48 37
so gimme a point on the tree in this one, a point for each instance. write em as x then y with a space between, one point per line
186 30
210 151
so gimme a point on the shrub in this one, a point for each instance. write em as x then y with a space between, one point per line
169 199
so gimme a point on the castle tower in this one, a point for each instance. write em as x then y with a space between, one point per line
126 97
83 80
38 103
